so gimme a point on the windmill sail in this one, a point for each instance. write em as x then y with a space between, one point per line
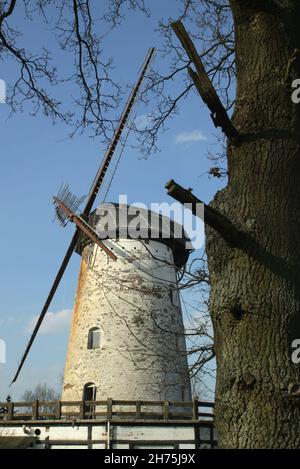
89 203
65 214
71 201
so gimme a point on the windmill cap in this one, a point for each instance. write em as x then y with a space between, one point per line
121 221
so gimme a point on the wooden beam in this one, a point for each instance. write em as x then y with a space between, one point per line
82 410
109 408
204 85
35 410
213 218
195 409
234 236
138 408
58 410
166 410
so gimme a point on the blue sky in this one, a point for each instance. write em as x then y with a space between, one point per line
36 157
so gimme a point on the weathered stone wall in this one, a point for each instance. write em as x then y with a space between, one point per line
142 353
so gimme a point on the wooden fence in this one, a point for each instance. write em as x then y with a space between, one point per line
107 410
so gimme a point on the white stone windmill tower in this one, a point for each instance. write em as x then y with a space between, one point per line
67 204
127 336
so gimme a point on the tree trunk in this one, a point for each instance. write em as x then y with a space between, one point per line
255 300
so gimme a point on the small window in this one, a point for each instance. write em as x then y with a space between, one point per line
94 338
174 296
89 392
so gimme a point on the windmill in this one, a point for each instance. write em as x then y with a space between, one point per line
65 208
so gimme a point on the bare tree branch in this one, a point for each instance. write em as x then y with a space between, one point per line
4 14
74 26
95 101
204 85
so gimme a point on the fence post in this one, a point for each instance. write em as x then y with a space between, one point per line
47 442
109 408
138 409
58 410
35 410
10 411
166 410
195 409
82 410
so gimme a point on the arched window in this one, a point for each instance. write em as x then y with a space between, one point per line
94 338
173 293
89 392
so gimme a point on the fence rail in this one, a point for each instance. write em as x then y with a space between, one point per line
107 410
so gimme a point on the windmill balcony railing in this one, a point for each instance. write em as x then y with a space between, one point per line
192 411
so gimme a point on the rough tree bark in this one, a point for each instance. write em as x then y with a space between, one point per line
255 302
